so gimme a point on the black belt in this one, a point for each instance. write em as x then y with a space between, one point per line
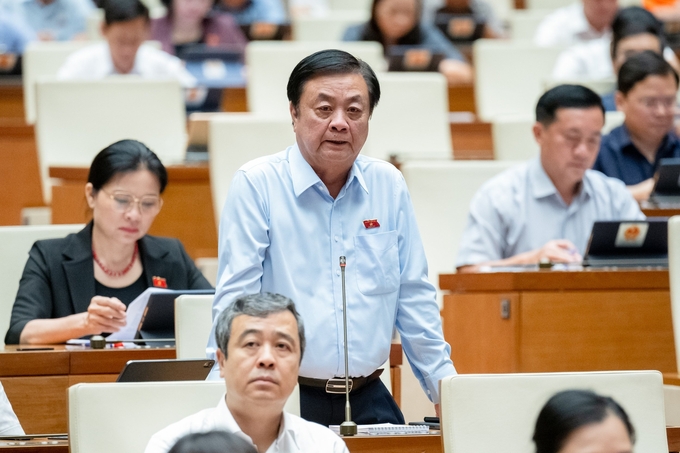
337 385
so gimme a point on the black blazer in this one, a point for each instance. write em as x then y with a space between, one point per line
58 279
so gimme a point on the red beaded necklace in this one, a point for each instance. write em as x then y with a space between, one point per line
111 273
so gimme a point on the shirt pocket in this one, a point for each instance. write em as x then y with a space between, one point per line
377 263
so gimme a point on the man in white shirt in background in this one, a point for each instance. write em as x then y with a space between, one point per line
125 28
261 340
578 22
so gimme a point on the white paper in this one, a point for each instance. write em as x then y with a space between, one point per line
386 429
135 311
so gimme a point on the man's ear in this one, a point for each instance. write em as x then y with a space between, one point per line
538 131
293 113
220 361
620 100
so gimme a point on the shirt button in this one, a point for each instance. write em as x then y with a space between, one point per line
336 238
337 273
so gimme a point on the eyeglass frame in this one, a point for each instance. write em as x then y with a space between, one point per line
135 201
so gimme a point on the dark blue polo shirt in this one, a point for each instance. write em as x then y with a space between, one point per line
608 102
619 157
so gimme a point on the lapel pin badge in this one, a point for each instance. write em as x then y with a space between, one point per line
371 223
159 282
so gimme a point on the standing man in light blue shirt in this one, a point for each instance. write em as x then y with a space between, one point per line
289 217
248 11
51 20
545 208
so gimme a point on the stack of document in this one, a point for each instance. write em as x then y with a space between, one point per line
386 429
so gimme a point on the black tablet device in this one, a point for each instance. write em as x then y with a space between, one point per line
413 58
166 370
667 182
628 243
459 28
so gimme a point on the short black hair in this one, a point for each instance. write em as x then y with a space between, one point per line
331 62
212 442
569 410
124 11
125 156
635 20
639 67
565 96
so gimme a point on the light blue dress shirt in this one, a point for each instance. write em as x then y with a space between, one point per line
14 35
63 19
520 210
270 11
282 232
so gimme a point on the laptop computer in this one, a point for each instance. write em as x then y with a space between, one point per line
459 28
666 182
264 31
166 370
413 58
158 321
628 243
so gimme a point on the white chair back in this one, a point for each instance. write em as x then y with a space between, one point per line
122 417
43 59
15 243
193 321
600 86
497 412
525 22
235 139
412 117
94 25
208 267
671 399
328 28
441 223
509 76
350 5
547 4
77 119
674 277
271 62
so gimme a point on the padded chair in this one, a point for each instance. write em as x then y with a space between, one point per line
497 412
350 5
237 138
327 28
72 128
441 192
509 76
193 321
15 243
525 22
671 398
600 86
547 4
674 277
208 267
271 62
412 117
43 59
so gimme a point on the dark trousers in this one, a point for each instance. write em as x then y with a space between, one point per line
371 404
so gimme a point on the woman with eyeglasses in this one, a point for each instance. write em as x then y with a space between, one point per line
82 284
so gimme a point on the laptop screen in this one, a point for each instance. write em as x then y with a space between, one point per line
630 239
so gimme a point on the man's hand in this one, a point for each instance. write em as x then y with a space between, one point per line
643 190
558 251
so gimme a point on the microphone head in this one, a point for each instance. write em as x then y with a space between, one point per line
343 261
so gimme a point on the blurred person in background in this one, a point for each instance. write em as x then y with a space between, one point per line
51 20
251 11
582 21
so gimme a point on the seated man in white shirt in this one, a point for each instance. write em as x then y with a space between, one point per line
126 27
9 423
582 21
545 209
261 340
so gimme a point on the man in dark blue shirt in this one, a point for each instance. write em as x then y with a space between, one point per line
646 93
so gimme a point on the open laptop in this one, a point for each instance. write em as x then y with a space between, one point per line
666 182
628 243
166 370
158 321
413 58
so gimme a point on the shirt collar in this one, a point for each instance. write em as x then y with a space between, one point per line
620 140
304 176
542 186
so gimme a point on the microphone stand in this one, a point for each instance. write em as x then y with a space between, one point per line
348 427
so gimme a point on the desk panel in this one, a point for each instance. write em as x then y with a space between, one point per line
37 402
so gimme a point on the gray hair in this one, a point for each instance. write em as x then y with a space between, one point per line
259 305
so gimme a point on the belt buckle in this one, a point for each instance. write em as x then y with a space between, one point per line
337 385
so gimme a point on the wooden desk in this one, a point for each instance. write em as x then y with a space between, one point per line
187 212
12 98
542 321
36 382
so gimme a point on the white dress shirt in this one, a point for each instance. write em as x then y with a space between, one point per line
567 26
9 423
94 63
295 434
282 232
520 210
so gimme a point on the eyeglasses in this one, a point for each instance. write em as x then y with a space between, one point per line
124 202
654 103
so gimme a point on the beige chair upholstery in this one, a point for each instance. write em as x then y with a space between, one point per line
235 139
671 398
350 5
208 267
412 117
271 62
600 86
72 128
441 192
547 4
509 76
497 412
674 277
15 243
193 321
525 22
122 417
328 28
43 59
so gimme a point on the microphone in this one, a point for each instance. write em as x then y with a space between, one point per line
348 427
